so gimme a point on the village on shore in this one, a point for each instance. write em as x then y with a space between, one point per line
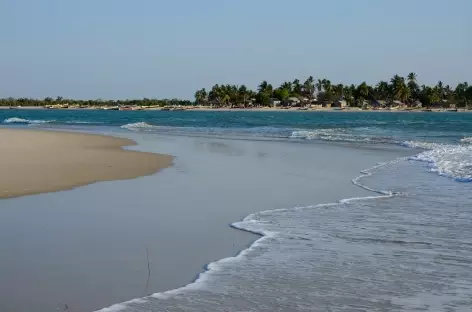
399 94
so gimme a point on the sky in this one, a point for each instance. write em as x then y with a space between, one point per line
115 49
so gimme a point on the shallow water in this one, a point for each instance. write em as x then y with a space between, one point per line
407 252
86 247
374 127
403 244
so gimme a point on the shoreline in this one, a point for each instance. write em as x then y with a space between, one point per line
245 226
157 217
38 161
257 109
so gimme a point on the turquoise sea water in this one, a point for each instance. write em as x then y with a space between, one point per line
447 135
443 127
406 247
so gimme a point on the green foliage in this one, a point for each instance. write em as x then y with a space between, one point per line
398 88
26 102
282 94
263 99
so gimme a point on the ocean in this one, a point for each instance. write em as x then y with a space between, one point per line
404 244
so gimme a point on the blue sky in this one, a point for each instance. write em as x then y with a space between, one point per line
155 48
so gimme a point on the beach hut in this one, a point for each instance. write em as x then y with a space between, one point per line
341 103
293 101
274 102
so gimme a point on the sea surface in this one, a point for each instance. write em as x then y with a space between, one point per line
402 242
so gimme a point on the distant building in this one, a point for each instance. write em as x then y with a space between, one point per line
293 101
274 102
339 103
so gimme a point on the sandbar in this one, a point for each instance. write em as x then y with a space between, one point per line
33 161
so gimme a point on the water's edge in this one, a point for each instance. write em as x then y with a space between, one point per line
244 225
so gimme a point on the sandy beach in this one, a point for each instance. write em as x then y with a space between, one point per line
35 162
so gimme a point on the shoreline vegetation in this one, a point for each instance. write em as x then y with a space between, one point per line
35 162
398 94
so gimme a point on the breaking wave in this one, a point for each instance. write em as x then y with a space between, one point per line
454 161
360 135
363 135
17 120
139 126
467 140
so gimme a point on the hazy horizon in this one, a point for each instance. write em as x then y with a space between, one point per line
123 49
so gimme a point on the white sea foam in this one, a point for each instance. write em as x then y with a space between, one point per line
18 120
422 145
454 161
467 140
139 126
335 134
360 134
253 224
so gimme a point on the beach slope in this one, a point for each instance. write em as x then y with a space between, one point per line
33 162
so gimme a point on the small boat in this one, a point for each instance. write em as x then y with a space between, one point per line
452 110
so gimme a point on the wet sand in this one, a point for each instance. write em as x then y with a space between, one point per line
35 162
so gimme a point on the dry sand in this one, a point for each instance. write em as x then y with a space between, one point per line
33 162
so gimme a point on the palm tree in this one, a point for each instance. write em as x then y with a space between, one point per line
413 87
461 94
327 87
412 77
287 85
338 90
265 87
362 92
296 88
348 94
215 95
382 90
400 90
243 94
319 85
198 96
440 90
204 95
309 88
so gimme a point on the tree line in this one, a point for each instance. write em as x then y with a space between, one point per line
406 90
48 101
